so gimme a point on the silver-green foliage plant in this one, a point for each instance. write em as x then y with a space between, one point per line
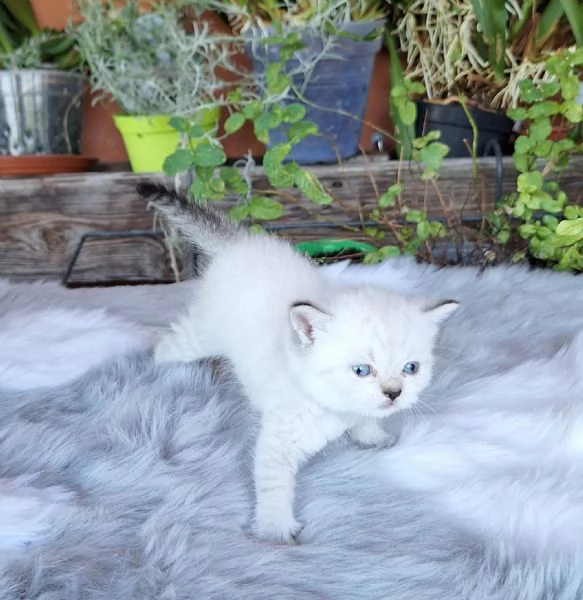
550 223
154 60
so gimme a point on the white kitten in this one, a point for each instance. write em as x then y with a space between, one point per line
315 360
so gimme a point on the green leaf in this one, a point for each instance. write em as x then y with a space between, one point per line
432 157
543 232
540 130
217 187
521 162
527 230
208 155
389 251
523 144
230 175
382 254
252 110
180 124
437 229
265 209
542 250
547 108
272 165
311 187
298 131
413 215
196 131
275 155
293 113
389 198
551 205
572 212
204 173
199 190
423 230
573 227
234 122
233 179
550 221
572 111
235 96
543 149
404 133
239 212
517 114
528 91
529 182
370 232
256 229
179 161
570 87
408 112
549 88
502 237
276 81
414 87
267 121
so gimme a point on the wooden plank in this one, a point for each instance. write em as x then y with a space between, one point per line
357 184
42 219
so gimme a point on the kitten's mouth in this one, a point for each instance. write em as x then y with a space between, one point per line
388 404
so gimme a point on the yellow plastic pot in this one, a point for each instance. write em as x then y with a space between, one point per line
149 140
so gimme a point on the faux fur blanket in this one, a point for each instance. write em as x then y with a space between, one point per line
120 480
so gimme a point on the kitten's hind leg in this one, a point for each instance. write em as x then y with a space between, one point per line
183 343
368 433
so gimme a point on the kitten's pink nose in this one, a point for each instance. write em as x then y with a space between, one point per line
392 393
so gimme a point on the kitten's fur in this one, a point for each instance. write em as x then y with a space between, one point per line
293 339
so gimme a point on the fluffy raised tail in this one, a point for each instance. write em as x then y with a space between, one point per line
203 225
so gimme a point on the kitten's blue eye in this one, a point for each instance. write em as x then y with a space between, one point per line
411 368
362 370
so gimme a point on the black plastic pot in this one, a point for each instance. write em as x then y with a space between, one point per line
456 130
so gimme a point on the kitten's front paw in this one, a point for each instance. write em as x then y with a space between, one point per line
277 531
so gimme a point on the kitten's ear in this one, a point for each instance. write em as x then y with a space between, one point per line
440 311
306 320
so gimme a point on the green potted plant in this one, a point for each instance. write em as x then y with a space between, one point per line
471 55
157 61
41 92
318 53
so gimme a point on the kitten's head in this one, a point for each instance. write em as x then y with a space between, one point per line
371 353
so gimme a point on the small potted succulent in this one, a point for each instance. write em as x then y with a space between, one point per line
41 89
471 58
325 51
157 61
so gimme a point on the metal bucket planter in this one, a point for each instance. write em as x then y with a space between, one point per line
337 88
40 112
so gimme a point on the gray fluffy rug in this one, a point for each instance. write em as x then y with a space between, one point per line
482 497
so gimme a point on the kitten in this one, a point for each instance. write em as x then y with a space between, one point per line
315 360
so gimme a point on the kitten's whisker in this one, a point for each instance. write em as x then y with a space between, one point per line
427 406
